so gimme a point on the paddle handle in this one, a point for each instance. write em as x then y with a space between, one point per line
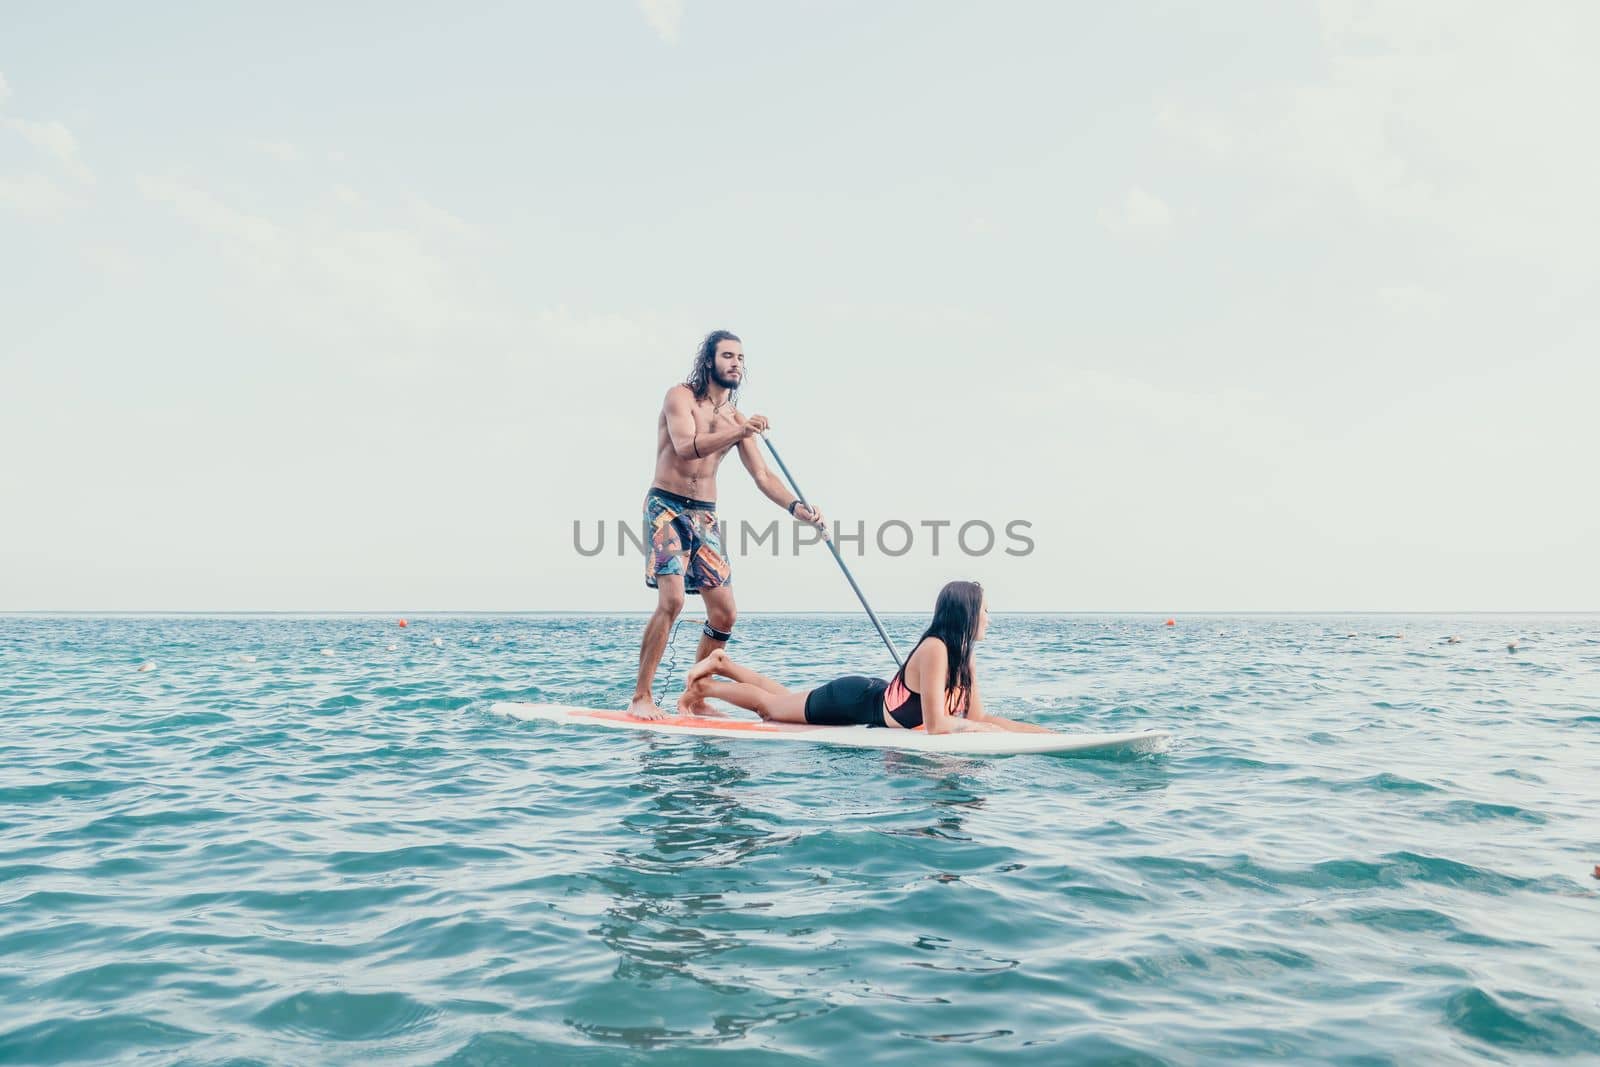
895 652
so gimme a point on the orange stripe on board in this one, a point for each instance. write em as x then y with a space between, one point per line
694 721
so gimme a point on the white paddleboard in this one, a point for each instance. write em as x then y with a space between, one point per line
966 744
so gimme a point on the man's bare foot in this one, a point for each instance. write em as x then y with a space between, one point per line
645 707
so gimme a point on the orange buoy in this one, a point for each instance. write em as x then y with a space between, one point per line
1172 622
1597 870
403 623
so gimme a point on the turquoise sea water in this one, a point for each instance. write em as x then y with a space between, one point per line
1360 849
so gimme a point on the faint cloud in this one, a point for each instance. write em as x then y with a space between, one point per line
905 318
1204 131
664 16
56 141
1137 212
1421 114
1286 209
282 151
1411 300
34 196
437 218
199 207
339 279
381 274
114 260
1369 26
1097 404
579 330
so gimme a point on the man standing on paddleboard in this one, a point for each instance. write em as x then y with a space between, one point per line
698 426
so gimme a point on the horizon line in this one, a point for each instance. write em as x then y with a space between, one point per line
380 612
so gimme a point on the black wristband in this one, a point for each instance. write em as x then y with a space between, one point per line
792 505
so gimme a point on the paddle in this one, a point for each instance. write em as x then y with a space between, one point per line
895 652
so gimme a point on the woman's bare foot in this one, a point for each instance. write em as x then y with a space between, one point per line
707 667
693 700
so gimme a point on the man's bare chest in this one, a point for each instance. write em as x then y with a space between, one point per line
709 418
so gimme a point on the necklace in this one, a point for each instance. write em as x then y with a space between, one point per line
694 479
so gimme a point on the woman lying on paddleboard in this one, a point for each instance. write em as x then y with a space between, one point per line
940 664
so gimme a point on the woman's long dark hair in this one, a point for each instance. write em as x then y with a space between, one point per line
699 380
955 622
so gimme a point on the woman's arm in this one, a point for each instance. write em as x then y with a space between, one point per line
1016 727
932 671
976 713
936 715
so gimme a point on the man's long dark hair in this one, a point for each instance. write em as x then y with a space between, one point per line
955 622
699 380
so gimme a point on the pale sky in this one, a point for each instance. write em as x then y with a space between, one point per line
1245 307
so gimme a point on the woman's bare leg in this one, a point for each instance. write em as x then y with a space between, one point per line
782 706
719 663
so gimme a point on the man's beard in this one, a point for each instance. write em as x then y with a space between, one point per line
725 383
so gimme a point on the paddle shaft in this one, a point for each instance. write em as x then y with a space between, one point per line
895 652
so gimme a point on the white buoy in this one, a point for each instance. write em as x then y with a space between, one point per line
1452 640
437 643
247 658
327 652
146 668
393 647
475 639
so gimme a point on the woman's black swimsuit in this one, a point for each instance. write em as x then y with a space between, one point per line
854 700
857 700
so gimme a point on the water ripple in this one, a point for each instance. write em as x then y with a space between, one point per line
1362 848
